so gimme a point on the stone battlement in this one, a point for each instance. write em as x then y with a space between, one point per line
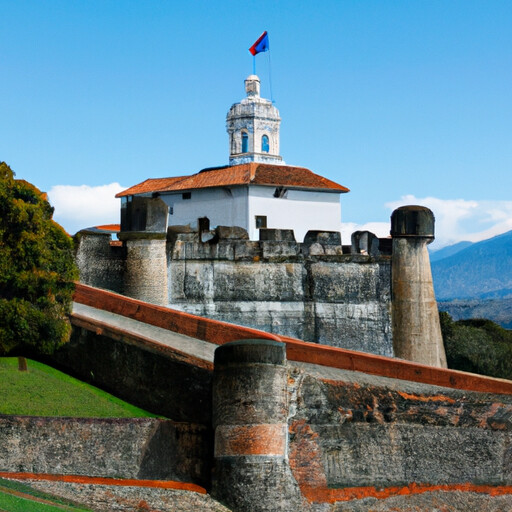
373 295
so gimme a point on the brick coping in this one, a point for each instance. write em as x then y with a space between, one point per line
217 332
92 480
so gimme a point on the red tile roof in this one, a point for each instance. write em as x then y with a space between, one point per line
243 174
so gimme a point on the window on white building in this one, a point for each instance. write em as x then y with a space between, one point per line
264 144
261 221
245 142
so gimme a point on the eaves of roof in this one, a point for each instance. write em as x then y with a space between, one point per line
237 175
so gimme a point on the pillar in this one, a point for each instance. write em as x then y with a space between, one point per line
250 411
416 329
146 266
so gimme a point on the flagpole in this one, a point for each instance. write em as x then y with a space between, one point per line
254 64
270 76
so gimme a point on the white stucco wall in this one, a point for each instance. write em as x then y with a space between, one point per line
300 210
223 206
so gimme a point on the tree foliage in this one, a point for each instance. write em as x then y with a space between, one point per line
37 270
477 346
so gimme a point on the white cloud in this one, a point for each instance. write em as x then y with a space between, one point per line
461 219
83 206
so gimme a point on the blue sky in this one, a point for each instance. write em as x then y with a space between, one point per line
401 101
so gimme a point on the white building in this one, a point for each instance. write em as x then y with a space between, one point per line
256 190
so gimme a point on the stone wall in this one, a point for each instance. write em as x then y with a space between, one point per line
354 441
157 380
351 431
317 291
101 264
326 438
115 498
311 292
140 448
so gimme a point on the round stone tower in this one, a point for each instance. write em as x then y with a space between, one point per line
250 412
253 128
416 329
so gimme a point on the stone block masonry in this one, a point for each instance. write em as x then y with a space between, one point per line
296 428
140 448
342 300
311 291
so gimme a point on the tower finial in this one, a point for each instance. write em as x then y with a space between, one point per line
252 86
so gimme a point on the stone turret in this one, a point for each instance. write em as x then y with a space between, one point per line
253 128
415 318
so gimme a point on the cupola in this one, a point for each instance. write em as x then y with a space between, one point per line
253 128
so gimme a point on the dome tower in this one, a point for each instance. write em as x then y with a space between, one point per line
253 128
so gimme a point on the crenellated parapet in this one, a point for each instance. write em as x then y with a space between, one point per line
375 295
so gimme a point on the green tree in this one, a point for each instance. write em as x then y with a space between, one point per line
37 270
477 346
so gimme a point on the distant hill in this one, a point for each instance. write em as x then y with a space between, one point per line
497 310
445 252
481 270
476 281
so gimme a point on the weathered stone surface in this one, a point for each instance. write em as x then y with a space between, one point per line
231 233
437 501
365 242
249 282
323 238
416 329
100 264
313 292
146 270
257 484
111 498
350 430
277 235
354 326
103 447
250 418
349 283
146 378
344 304
278 251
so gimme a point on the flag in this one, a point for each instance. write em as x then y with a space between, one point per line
261 45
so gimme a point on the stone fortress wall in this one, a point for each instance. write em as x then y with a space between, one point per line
317 291
286 425
375 295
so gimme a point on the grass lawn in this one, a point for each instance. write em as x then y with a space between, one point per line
44 391
16 497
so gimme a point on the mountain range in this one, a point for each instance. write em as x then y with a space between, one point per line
475 279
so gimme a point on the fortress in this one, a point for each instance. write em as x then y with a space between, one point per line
295 372
257 243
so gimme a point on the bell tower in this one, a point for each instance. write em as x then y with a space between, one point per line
253 128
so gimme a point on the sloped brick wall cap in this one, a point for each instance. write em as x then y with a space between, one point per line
91 480
220 333
251 351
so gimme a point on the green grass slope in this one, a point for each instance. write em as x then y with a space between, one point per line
16 497
44 391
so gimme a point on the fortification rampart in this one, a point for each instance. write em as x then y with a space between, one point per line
317 291
320 428
374 296
328 429
311 292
